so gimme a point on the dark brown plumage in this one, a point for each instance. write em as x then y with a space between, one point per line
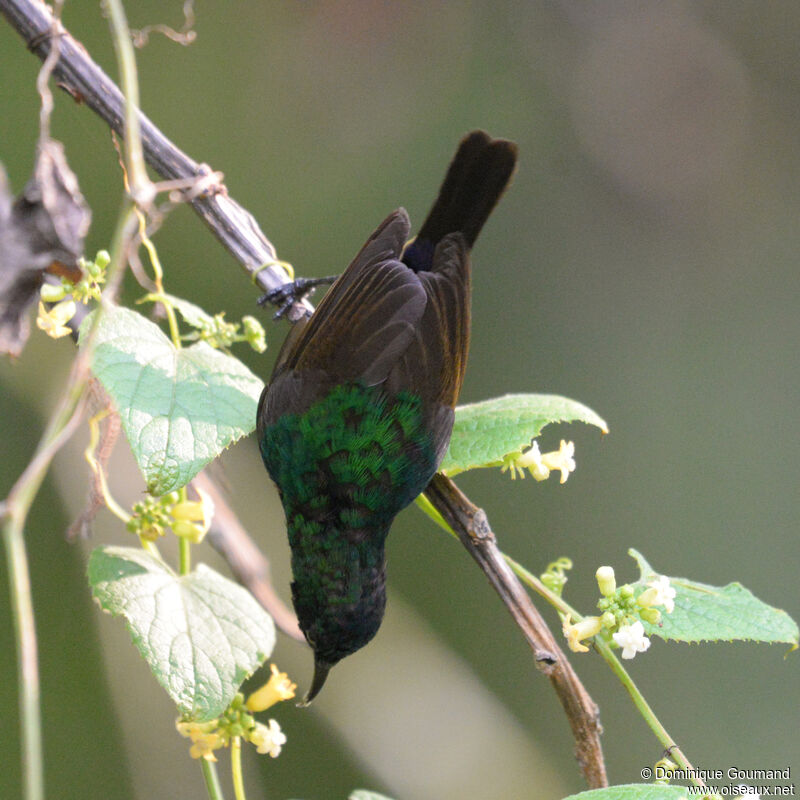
358 413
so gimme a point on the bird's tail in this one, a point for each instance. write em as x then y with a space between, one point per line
478 175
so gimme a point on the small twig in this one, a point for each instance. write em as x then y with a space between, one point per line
472 527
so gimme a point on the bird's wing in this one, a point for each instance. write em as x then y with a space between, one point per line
359 331
433 364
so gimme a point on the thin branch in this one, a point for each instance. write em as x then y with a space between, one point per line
472 527
79 75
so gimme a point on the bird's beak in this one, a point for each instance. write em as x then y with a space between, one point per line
321 670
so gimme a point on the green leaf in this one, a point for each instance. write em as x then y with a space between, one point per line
485 433
201 634
179 408
633 791
717 613
365 794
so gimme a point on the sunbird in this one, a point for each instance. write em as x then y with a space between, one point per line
358 413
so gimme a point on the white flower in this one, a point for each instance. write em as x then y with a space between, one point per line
268 739
664 593
541 465
561 460
631 639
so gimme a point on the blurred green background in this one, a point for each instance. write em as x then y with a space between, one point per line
644 262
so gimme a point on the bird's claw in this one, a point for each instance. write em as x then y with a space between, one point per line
288 294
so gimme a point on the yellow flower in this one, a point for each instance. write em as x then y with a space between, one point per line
530 459
205 746
585 629
54 322
268 739
205 738
193 517
278 688
185 728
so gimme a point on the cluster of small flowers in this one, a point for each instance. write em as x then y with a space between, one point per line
540 465
221 334
53 321
189 519
238 722
622 615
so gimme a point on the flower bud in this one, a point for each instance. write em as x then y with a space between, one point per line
651 615
52 293
606 581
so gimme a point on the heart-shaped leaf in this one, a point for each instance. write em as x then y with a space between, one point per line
180 408
201 633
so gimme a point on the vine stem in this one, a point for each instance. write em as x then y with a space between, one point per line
212 780
14 513
141 187
27 658
236 768
158 280
184 555
645 710
17 505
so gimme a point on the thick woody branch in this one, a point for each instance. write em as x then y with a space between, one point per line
472 528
